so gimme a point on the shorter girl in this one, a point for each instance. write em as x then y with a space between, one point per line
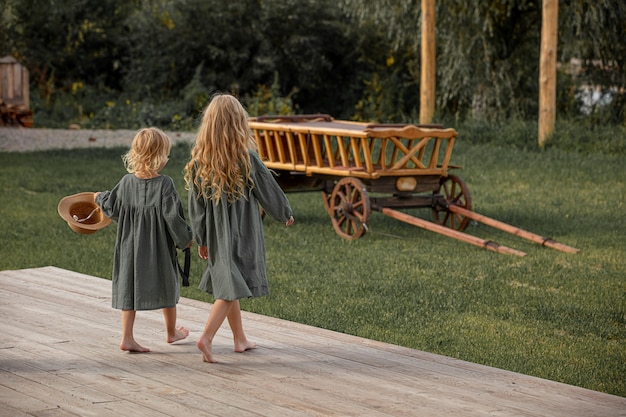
227 180
150 226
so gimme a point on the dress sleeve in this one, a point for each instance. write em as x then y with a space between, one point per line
174 215
108 203
197 216
268 192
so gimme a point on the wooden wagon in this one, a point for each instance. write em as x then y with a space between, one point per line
360 167
14 94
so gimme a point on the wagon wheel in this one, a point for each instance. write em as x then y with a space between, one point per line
326 197
455 192
349 208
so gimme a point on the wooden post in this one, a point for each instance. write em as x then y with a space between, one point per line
25 87
547 69
427 71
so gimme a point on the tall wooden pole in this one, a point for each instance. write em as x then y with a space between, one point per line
547 69
427 74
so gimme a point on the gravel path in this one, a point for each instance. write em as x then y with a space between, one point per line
18 139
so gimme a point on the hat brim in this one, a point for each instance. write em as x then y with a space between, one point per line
81 205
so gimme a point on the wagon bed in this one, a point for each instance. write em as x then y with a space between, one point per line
318 144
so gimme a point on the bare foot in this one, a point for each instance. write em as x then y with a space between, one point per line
132 346
242 347
205 348
179 334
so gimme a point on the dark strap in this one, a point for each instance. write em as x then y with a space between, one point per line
184 272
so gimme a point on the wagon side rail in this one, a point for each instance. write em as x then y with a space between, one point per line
341 148
412 149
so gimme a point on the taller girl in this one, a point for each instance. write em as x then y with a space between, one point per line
227 181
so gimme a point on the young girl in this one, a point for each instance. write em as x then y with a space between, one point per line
227 181
150 226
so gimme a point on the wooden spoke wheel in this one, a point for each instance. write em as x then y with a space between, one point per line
454 191
349 208
326 200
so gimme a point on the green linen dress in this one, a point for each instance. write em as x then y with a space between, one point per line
150 226
233 234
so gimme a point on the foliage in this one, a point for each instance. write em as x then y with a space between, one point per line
550 314
306 43
483 51
390 91
66 42
154 52
268 101
488 56
170 40
353 59
594 36
501 40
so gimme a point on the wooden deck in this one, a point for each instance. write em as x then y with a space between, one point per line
59 356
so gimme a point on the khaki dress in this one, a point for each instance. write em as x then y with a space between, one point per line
150 226
233 234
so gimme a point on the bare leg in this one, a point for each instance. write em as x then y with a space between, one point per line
239 337
128 341
173 333
218 313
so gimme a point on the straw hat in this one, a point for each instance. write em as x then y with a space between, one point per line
82 214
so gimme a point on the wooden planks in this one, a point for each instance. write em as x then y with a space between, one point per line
59 356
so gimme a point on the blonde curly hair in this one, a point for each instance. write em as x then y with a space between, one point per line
220 161
149 151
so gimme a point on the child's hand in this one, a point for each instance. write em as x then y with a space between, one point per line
289 222
203 252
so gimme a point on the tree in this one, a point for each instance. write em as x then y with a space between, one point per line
169 40
239 46
351 58
308 45
65 42
488 52
592 34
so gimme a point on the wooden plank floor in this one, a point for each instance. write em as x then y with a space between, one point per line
59 356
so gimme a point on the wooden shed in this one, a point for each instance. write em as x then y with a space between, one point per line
14 94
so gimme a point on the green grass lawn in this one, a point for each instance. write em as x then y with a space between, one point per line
550 314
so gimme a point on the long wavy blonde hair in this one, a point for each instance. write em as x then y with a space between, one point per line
149 151
220 160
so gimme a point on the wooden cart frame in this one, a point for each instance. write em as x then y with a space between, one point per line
14 94
360 167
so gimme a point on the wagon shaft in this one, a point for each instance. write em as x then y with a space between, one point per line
487 244
513 230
